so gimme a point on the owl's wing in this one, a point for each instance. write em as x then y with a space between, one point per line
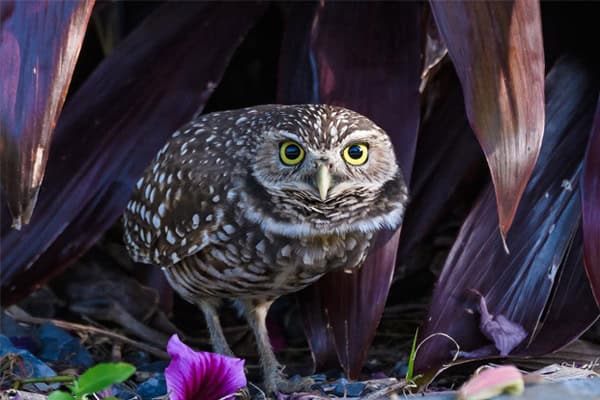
180 201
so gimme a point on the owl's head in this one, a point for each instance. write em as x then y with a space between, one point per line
318 170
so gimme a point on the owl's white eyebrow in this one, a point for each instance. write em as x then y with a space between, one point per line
358 135
289 135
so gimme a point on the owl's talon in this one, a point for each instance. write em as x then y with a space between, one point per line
243 394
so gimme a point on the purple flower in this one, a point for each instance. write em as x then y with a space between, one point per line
198 375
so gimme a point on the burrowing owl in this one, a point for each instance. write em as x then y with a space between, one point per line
255 203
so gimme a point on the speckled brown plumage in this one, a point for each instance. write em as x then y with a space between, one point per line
225 217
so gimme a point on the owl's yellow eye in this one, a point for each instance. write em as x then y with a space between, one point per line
290 153
356 154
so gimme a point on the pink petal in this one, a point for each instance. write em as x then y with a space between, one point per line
491 383
193 375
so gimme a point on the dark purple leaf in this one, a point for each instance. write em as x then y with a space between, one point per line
518 286
382 60
151 83
364 57
590 195
195 375
572 292
317 328
298 82
447 167
39 45
434 49
353 303
572 309
497 49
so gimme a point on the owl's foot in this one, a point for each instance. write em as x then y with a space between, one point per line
243 394
277 382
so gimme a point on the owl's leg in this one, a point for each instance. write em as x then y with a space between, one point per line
217 338
274 380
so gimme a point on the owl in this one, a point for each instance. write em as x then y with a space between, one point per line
255 203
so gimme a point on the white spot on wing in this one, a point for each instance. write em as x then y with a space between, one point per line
286 250
222 236
231 194
170 237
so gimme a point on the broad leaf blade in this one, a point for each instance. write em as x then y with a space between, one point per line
39 45
364 57
497 49
317 328
127 109
440 176
572 292
590 195
353 303
103 375
518 286
60 395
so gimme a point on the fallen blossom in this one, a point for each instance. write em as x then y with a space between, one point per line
198 375
492 382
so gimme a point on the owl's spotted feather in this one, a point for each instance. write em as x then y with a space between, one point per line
227 217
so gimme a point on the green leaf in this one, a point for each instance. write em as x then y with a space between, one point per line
73 387
102 376
60 395
411 358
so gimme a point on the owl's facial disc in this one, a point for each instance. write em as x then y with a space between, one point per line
322 186
288 163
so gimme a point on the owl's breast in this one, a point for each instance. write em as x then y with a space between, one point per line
295 263
252 263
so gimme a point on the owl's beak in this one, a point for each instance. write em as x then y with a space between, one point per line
323 181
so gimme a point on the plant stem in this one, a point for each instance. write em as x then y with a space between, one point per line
46 379
50 379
